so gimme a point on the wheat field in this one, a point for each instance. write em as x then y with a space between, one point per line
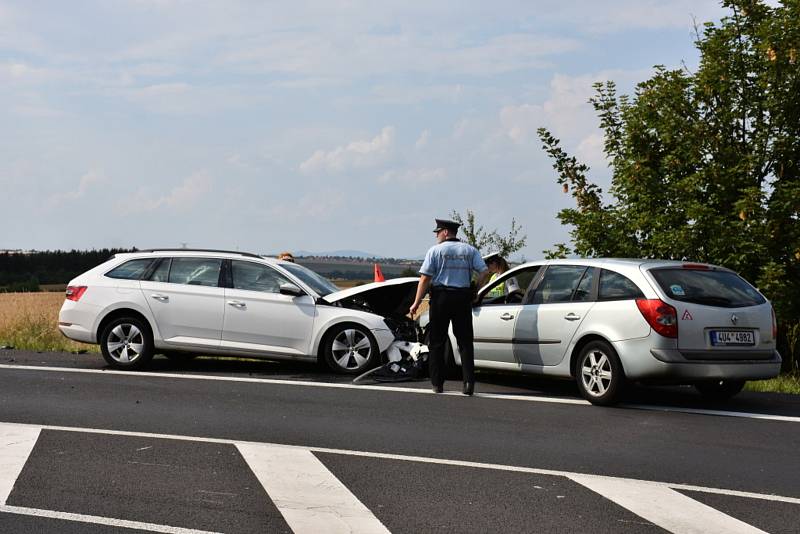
29 321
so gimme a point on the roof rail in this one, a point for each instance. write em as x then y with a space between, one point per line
248 254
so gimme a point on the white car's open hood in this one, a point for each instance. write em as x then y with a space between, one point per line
384 298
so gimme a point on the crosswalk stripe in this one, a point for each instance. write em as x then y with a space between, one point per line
310 498
665 507
16 444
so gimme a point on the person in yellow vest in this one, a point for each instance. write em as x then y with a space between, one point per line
497 265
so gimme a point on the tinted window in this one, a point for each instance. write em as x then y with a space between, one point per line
614 286
318 283
256 277
195 271
131 270
161 272
712 288
584 291
523 279
558 284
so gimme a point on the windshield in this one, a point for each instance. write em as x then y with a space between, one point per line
711 288
318 283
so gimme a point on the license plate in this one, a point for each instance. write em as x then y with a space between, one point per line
732 337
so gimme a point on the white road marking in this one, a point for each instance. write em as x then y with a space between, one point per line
16 444
97 520
721 413
310 498
424 391
409 458
665 507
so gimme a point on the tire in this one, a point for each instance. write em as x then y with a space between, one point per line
719 390
127 343
350 349
599 373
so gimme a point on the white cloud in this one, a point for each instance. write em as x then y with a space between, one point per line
566 111
86 182
590 151
182 197
356 154
423 139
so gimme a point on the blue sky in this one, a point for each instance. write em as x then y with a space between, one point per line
307 125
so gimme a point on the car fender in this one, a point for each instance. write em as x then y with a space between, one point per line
128 305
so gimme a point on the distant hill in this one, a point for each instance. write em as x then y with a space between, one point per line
339 253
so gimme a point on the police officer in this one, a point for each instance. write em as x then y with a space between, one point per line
447 270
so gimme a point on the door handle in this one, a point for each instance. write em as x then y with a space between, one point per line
237 304
572 317
506 316
159 297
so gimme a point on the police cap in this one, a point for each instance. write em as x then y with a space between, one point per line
444 224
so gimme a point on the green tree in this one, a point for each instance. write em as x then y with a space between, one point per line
704 164
490 241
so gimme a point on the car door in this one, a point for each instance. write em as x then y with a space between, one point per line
493 318
259 318
186 300
553 312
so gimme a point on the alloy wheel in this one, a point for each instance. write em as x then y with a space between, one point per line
125 343
351 349
596 373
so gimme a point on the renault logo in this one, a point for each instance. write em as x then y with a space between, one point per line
734 319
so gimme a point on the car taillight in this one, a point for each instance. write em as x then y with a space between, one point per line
662 317
75 292
774 324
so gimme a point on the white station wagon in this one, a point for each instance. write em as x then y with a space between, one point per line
183 302
604 322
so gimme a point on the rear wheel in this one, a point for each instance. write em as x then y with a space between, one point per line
719 390
126 343
350 349
599 373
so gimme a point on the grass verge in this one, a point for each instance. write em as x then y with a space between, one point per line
29 321
786 383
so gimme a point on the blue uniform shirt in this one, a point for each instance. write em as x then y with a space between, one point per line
450 263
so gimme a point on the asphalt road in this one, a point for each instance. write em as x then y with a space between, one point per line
176 448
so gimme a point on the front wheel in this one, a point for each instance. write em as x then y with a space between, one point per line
599 373
126 343
719 390
350 349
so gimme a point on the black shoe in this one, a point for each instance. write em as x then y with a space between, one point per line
438 389
469 388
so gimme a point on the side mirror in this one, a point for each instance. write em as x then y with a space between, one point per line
291 289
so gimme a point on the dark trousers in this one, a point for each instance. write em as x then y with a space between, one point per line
446 306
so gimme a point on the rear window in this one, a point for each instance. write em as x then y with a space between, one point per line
614 286
131 270
711 288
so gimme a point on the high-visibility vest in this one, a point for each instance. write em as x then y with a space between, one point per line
498 290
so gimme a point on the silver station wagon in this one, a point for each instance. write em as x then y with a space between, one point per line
605 322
